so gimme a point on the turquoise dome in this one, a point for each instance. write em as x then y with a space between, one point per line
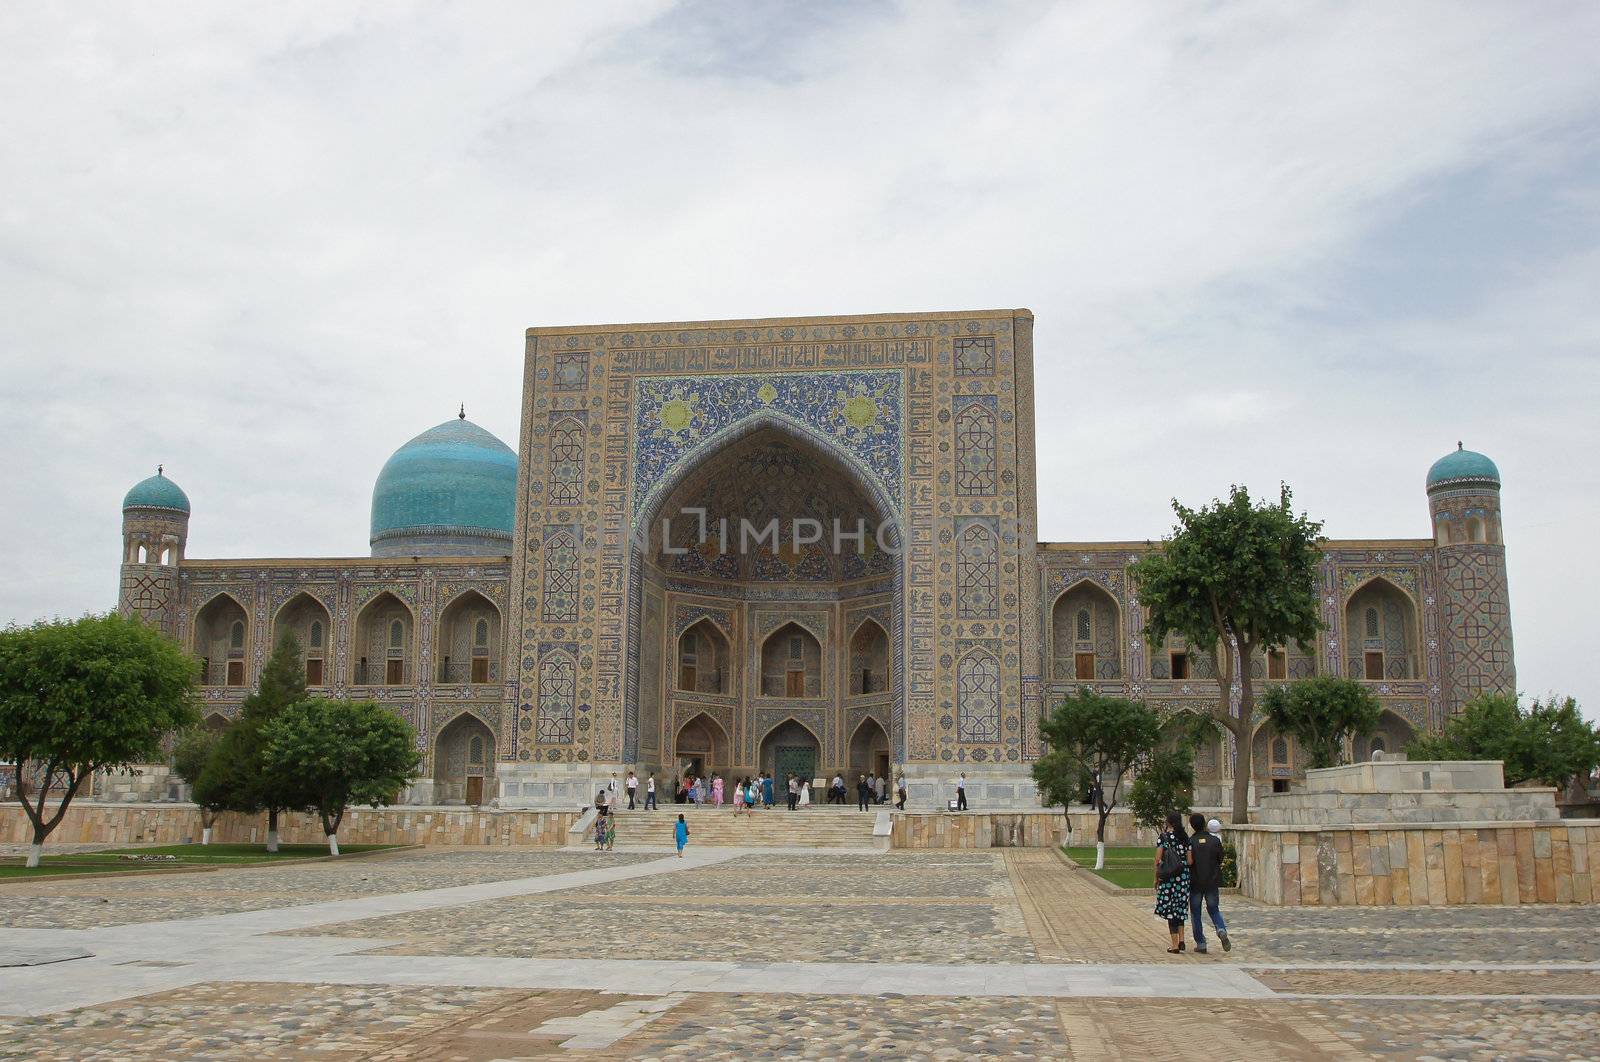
440 492
157 492
1462 465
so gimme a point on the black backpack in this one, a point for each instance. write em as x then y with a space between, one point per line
1171 863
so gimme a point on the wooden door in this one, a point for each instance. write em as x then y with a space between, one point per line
475 790
797 684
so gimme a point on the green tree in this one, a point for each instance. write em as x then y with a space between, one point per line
1548 742
1321 713
336 753
1236 577
190 759
1101 737
1165 783
95 694
235 778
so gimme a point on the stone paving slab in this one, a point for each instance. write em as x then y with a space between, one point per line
40 954
60 903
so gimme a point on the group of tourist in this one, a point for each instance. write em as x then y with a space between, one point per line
1189 874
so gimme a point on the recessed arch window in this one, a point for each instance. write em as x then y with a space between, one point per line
480 634
236 635
316 634
1085 625
1372 623
1280 750
397 634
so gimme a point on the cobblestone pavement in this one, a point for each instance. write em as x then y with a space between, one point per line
58 903
971 908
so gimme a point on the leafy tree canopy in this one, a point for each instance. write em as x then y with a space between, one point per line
1165 783
1235 575
1547 742
1098 736
1320 713
332 754
235 777
85 695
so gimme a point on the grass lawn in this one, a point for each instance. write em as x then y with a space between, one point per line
113 860
1128 868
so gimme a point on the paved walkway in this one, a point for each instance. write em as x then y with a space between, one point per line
980 954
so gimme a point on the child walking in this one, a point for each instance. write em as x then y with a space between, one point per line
680 832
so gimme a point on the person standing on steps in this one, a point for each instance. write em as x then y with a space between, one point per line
766 790
716 792
862 791
613 792
1205 882
880 788
805 793
680 834
961 792
633 788
650 794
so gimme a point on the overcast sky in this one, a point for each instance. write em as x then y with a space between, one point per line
266 244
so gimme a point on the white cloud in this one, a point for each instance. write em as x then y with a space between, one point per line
268 245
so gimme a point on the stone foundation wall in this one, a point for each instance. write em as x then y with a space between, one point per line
1417 864
168 823
975 830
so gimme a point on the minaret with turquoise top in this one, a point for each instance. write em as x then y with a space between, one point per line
1475 604
155 530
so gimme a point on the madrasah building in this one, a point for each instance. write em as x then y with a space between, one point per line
799 545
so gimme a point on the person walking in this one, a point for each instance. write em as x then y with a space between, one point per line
880 786
611 832
600 830
961 792
805 793
766 790
650 793
633 789
900 793
1172 879
738 798
1205 882
836 791
716 792
680 834
862 791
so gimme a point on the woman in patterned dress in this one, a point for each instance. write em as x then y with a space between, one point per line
1172 895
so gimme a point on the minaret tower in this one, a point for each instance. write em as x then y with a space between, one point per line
1474 605
155 529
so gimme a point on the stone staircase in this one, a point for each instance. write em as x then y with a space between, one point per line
812 827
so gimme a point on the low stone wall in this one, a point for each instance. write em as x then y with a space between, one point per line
974 829
1417 864
166 823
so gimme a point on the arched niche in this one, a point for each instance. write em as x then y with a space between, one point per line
869 751
469 640
308 620
790 748
216 722
791 663
1205 736
1086 634
1381 641
1392 734
700 747
703 659
221 633
463 761
869 659
382 652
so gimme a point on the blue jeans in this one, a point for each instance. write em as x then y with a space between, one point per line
1211 898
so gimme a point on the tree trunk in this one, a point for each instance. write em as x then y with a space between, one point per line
272 829
1243 760
34 851
205 835
1100 854
333 844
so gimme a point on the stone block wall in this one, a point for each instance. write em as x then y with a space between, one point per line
976 830
1418 864
169 823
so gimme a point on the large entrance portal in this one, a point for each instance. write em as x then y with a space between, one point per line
768 595
790 750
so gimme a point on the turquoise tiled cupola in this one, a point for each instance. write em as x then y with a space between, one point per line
1463 467
451 491
157 492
